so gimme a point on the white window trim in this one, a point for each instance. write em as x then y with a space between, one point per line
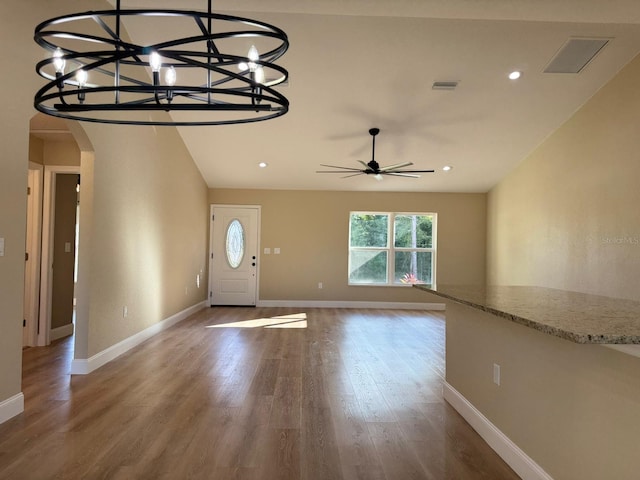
391 249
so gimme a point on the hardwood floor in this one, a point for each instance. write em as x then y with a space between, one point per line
357 394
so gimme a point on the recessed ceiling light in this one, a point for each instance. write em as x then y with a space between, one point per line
263 165
446 168
515 75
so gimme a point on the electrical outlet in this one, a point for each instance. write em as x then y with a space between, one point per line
496 374
320 285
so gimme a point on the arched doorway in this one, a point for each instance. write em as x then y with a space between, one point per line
60 158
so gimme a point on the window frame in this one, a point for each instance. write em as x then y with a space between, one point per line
391 249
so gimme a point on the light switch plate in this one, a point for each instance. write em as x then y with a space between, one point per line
496 374
276 251
2 247
267 251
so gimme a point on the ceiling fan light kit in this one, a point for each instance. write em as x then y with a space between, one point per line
374 168
223 72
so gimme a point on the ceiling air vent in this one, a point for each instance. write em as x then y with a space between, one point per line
575 55
444 85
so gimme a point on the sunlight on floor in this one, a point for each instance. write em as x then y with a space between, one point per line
296 320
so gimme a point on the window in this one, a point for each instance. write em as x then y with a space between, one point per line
235 243
391 248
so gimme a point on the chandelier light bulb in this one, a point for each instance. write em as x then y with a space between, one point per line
58 61
259 74
253 54
155 62
170 76
82 76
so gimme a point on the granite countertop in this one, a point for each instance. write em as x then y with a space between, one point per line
578 317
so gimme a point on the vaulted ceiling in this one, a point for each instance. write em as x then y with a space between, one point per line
358 64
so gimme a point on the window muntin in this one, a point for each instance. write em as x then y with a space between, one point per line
235 243
391 248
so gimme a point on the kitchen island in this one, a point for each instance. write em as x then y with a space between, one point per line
528 368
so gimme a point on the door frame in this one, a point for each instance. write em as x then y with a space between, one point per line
33 248
258 231
48 227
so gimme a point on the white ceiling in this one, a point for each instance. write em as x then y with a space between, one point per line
359 64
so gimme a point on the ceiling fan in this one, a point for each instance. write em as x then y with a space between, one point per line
374 168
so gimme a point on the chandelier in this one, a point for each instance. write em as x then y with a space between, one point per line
219 71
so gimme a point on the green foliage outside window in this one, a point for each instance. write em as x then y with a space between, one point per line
413 231
369 230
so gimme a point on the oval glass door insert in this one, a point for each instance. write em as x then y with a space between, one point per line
235 243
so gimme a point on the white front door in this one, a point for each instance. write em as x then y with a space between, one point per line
233 277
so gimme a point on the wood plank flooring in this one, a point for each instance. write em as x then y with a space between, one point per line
356 395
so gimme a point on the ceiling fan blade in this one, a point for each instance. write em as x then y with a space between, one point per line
341 168
397 165
353 175
413 171
395 174
366 166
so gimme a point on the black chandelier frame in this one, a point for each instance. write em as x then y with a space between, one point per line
223 88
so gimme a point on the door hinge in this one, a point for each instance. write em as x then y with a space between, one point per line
24 322
26 256
210 294
28 190
212 256
213 217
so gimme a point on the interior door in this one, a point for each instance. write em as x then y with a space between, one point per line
234 255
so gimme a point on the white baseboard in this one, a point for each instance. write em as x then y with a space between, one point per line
11 407
61 332
348 304
628 349
517 459
83 366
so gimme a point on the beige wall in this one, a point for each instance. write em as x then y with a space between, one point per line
311 229
148 238
567 217
16 31
55 153
144 211
574 409
59 153
36 150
